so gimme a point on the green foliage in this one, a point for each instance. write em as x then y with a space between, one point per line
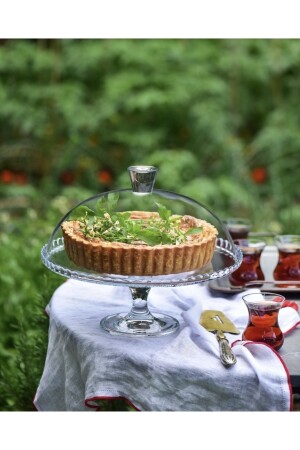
25 288
195 108
112 226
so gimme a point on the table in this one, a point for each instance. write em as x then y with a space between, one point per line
84 356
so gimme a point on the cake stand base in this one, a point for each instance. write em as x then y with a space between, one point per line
139 321
120 324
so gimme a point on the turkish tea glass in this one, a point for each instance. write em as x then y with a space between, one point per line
263 326
238 228
288 265
250 269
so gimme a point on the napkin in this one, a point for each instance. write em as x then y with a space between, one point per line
177 372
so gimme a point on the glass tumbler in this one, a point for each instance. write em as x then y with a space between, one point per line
238 228
263 309
288 265
250 269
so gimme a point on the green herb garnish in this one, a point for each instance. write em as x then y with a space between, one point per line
107 224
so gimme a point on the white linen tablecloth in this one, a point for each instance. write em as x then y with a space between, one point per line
179 372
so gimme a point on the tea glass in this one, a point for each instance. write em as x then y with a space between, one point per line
250 269
288 265
263 309
238 228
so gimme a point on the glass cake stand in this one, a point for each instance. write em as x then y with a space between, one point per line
139 321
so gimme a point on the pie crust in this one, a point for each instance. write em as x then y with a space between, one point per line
139 259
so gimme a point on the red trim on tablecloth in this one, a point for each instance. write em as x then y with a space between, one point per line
280 359
294 305
103 397
291 329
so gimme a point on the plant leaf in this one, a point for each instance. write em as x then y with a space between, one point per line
163 211
195 230
112 200
149 236
82 211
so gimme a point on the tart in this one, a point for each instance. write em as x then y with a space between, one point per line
187 244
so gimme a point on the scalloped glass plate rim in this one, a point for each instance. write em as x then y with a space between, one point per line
181 279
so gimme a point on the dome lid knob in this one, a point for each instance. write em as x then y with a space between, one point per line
142 178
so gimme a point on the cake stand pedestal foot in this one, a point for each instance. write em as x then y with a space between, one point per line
139 321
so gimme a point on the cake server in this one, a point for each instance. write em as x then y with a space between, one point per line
216 322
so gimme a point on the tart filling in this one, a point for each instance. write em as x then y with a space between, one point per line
139 242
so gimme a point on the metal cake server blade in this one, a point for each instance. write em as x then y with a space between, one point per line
216 322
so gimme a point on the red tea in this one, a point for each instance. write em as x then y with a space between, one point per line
263 326
250 269
238 231
288 266
238 228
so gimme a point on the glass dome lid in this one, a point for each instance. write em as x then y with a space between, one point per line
141 237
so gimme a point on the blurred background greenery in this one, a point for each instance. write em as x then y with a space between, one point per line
219 118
